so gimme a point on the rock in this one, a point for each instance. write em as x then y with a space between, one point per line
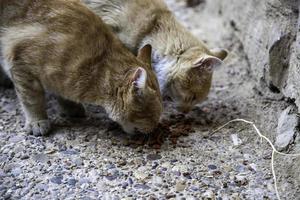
156 180
180 186
180 168
253 167
241 180
56 179
286 129
111 177
155 165
141 186
42 187
130 181
236 140
78 162
194 188
166 165
16 138
212 167
70 152
140 175
170 196
236 196
125 185
110 166
153 157
24 157
240 168
16 171
71 182
41 157
209 195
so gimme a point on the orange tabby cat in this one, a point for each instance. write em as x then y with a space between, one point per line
183 64
62 47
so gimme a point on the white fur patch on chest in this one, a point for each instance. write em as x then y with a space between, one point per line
162 67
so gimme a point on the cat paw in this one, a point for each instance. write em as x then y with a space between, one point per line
39 128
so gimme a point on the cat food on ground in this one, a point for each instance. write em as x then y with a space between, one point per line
167 130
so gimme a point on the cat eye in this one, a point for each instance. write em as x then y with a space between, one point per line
190 98
194 98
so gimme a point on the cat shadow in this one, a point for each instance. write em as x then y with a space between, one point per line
211 115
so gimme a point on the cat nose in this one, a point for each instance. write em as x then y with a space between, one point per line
167 98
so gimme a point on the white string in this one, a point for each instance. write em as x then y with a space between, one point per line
274 150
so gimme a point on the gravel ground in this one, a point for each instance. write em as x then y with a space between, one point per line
90 159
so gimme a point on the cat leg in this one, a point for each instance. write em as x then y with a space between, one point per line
4 80
70 108
32 98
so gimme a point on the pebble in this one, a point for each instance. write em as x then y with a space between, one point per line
40 157
236 140
24 157
56 179
72 182
110 166
142 186
180 168
155 165
176 173
111 177
140 175
153 157
240 168
180 186
156 180
130 181
70 152
212 167
166 165
209 194
42 187
124 185
16 171
78 162
241 180
194 188
253 167
170 196
16 138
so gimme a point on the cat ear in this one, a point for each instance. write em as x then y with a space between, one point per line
144 54
139 78
219 53
208 63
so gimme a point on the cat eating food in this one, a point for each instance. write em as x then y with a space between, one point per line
62 47
183 64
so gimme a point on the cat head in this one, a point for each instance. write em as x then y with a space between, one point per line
190 84
141 101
